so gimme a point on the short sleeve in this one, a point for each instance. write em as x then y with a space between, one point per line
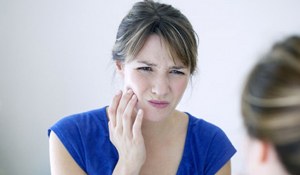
207 148
68 131
86 137
220 152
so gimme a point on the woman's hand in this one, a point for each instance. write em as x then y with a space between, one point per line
125 133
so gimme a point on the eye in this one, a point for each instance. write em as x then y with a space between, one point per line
146 69
177 72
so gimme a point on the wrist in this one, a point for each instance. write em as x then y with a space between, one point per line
125 168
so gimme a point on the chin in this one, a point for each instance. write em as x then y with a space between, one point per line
155 116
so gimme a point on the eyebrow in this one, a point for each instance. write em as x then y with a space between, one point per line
154 65
147 63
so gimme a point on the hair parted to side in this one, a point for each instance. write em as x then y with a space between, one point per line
271 101
149 17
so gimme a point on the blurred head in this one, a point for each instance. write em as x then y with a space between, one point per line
147 18
271 102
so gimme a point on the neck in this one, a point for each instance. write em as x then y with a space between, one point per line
152 130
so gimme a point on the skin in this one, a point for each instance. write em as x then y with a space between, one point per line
262 158
146 129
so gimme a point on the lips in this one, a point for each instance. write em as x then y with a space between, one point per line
159 104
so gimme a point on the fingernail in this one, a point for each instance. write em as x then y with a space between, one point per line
134 97
129 91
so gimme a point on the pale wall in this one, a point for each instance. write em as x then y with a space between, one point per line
55 61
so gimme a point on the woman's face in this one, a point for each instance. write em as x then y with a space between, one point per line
156 79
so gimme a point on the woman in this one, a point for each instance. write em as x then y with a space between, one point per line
141 132
271 111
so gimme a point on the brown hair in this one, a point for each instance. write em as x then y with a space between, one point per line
149 17
271 101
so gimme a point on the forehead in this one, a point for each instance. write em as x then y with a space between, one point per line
156 50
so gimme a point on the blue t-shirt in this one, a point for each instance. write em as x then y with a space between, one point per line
86 137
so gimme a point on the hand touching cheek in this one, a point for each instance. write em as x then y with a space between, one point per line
125 133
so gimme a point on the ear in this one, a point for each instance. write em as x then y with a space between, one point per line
265 151
119 67
258 150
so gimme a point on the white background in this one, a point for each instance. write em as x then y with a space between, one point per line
55 60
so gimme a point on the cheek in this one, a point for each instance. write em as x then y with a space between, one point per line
136 82
180 86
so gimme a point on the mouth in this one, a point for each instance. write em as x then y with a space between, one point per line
159 104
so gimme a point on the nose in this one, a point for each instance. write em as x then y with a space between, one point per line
160 86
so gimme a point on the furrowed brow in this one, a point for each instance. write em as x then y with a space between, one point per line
178 67
147 63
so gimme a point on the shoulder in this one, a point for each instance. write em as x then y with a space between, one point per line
91 115
77 133
81 125
81 120
205 131
202 128
210 144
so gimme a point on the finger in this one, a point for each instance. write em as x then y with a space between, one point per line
137 125
110 131
127 116
112 109
122 106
